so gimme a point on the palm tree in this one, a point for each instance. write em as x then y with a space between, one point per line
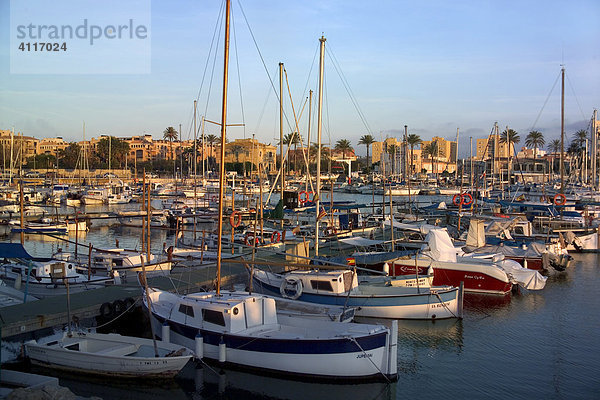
580 137
510 137
170 134
432 149
343 145
413 140
554 148
535 139
392 150
367 140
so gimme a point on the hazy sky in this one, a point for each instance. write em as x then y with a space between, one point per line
432 65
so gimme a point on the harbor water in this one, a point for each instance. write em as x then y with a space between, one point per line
527 345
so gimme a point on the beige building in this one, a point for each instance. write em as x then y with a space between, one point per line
25 144
51 145
250 150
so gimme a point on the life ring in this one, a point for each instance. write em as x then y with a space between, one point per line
275 237
235 219
330 230
214 198
248 241
467 202
118 307
291 287
302 197
106 310
456 199
560 199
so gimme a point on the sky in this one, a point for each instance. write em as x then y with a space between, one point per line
433 66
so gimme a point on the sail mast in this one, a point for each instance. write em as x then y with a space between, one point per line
282 177
562 132
223 141
319 126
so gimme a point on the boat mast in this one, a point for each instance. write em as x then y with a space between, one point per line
562 132
456 160
594 148
223 141
310 93
195 172
319 123
281 132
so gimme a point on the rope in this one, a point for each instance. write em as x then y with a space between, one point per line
369 358
444 304
118 316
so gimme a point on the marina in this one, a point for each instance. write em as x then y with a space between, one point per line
256 253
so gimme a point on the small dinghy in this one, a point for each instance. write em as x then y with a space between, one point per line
110 354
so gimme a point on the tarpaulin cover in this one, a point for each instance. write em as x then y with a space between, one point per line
14 250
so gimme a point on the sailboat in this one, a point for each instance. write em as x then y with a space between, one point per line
243 329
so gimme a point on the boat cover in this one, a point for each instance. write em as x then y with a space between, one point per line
360 241
416 227
439 246
528 278
476 235
14 250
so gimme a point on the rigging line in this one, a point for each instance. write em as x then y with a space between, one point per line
545 102
574 95
347 87
237 62
214 63
263 62
212 45
310 71
262 112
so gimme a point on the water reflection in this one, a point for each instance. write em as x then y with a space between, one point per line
204 382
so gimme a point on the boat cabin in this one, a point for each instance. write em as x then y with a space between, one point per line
228 313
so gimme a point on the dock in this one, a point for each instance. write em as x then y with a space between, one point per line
52 311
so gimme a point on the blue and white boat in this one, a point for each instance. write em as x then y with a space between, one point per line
243 329
379 300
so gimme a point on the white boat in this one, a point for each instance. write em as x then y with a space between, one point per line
110 355
134 218
44 277
43 226
95 196
341 287
119 193
243 329
124 261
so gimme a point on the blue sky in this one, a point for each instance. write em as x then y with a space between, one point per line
431 65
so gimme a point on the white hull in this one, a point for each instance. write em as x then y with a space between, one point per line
110 354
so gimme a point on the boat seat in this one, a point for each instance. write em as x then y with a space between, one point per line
118 350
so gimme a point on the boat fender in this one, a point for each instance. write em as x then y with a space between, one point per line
170 253
106 310
199 341
222 351
291 287
275 237
118 307
129 302
386 269
165 332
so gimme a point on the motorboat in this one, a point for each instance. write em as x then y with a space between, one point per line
341 287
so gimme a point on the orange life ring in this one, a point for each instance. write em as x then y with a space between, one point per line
465 195
302 197
248 241
275 237
456 199
235 219
560 199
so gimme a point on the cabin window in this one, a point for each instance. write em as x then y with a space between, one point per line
187 310
321 285
118 262
214 317
519 230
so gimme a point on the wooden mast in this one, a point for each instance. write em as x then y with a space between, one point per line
562 132
223 141
319 123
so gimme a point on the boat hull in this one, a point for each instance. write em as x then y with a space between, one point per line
476 278
112 360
